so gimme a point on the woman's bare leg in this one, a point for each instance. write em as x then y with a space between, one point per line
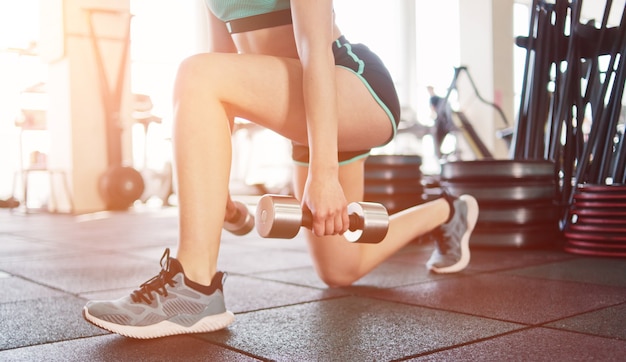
210 90
340 263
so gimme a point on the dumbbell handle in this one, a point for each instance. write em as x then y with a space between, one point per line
356 221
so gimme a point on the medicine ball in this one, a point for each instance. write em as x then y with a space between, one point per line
120 187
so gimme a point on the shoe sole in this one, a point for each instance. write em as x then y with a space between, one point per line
472 217
164 328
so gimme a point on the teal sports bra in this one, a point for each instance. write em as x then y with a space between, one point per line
227 10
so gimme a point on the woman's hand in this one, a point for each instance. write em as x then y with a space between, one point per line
324 197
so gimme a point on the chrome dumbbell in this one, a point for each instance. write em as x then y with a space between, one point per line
243 222
281 217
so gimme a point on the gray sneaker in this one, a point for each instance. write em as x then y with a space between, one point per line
452 252
164 305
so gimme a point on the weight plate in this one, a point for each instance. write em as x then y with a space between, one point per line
392 174
598 212
605 237
395 204
609 252
599 196
537 213
595 188
386 188
512 238
598 228
577 219
394 160
529 191
498 169
593 244
600 204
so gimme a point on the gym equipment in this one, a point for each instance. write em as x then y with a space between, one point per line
243 223
574 78
461 120
279 216
394 181
516 198
597 221
498 169
120 186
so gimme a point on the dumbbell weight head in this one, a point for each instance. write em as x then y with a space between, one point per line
278 216
244 222
373 222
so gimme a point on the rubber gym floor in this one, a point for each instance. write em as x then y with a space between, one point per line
508 305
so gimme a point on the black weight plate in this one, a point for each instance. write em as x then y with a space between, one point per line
395 205
512 238
503 228
392 174
522 214
387 188
498 169
529 191
399 198
394 160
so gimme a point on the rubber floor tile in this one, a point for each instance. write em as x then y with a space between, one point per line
608 322
83 272
115 348
352 329
510 298
604 271
45 320
537 345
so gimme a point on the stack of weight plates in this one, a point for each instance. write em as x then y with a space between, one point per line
597 221
394 181
517 200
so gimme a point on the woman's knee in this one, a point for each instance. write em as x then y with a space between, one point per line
335 279
196 73
337 267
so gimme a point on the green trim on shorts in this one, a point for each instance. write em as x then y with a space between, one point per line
379 101
342 163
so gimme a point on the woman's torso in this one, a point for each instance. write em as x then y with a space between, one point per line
276 41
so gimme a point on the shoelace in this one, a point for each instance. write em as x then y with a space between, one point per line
156 284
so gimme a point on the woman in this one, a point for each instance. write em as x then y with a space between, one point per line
286 66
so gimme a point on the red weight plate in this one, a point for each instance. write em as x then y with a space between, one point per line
581 235
599 196
600 204
579 219
598 228
593 244
595 252
619 188
599 212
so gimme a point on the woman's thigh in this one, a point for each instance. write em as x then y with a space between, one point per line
268 91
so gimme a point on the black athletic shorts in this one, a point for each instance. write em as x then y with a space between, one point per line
359 59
